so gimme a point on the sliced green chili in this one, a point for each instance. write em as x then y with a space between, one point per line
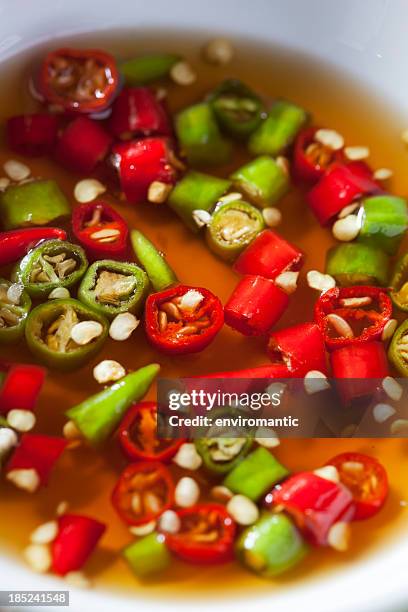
200 138
398 351
278 130
255 474
384 222
221 455
48 333
13 314
52 264
357 264
238 109
232 227
31 204
263 180
112 287
196 191
399 283
158 270
148 68
271 546
98 416
149 555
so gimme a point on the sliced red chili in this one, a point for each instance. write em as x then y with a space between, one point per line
32 135
76 539
100 230
83 81
21 386
138 435
15 244
339 187
183 319
255 305
315 504
82 145
311 158
142 162
367 480
358 369
300 348
37 452
143 491
206 535
365 310
138 112
269 255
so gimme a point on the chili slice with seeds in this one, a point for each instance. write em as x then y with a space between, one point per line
100 230
356 307
206 535
366 478
83 81
311 159
144 490
183 319
138 435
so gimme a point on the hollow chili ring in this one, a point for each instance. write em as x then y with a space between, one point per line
207 318
328 303
101 230
310 167
367 480
122 491
204 552
70 103
137 451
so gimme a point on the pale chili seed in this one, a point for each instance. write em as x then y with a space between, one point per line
171 310
162 320
355 302
188 330
340 325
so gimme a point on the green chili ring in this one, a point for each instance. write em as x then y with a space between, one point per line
398 350
238 110
10 332
55 348
40 271
399 283
106 276
232 227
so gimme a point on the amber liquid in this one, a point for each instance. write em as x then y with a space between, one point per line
85 477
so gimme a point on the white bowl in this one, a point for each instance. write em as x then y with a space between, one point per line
366 38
